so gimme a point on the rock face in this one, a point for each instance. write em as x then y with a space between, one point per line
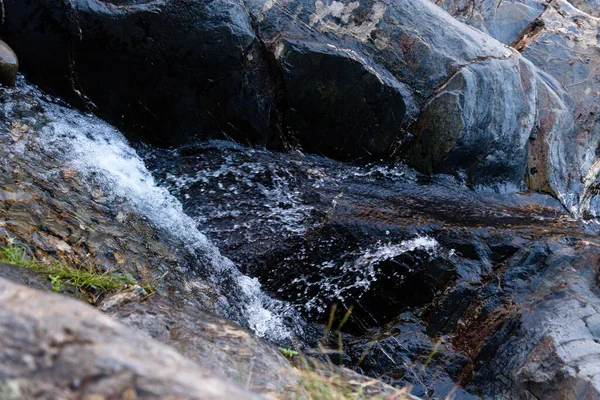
50 207
51 347
346 80
559 37
213 343
9 65
558 332
479 295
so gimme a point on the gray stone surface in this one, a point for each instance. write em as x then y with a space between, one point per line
346 80
551 344
53 347
559 38
213 343
504 20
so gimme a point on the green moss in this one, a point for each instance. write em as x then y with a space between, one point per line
289 353
61 275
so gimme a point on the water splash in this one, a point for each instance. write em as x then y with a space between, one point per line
103 157
341 280
271 185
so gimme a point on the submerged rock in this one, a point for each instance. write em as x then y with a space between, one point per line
9 65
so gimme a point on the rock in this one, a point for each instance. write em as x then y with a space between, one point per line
362 88
52 346
432 315
213 343
9 65
587 6
133 294
503 20
560 39
298 75
24 276
491 294
487 147
204 69
546 341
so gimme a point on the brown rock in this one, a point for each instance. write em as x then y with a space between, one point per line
212 342
55 347
9 65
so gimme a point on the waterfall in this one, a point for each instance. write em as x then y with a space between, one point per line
102 155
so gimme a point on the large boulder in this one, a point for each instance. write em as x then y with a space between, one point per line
346 80
560 39
52 347
208 77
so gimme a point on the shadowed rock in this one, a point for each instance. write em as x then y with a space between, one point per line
346 80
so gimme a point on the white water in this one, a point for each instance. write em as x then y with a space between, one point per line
101 154
359 273
279 203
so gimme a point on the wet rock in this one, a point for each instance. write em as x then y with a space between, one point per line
486 146
90 206
48 205
299 75
432 317
559 38
52 346
362 89
398 357
587 6
546 342
144 63
9 65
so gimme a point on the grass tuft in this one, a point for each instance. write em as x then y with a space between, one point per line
289 353
61 275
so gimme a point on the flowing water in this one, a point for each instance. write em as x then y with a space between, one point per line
101 154
283 237
251 201
260 208
252 196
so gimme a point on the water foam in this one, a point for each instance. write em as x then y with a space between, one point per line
357 274
101 154
277 200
